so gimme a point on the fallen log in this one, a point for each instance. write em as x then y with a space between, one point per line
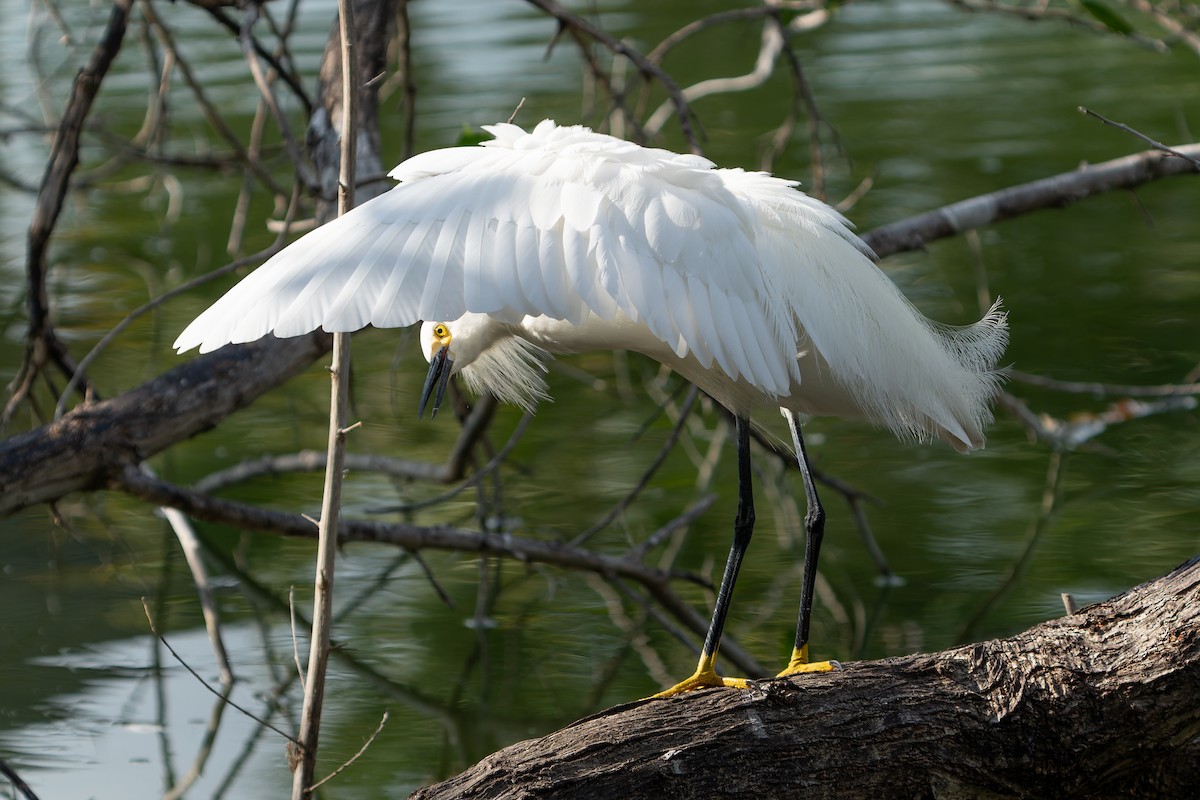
1101 703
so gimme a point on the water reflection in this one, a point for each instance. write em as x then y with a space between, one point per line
937 105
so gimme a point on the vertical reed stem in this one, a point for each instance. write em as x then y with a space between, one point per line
318 657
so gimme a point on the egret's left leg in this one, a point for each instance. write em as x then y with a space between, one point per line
743 528
814 532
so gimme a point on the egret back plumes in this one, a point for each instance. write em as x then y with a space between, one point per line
570 240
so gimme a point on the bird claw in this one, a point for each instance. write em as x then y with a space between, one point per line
703 679
816 666
799 664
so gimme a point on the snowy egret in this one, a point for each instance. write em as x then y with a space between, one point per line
563 240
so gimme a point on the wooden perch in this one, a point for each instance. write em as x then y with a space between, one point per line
1103 703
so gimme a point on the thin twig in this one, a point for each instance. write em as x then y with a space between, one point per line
204 683
17 783
42 345
180 787
206 106
685 518
295 636
289 76
577 24
1155 144
1051 503
266 89
479 474
116 330
635 637
356 756
764 63
666 449
1069 604
409 537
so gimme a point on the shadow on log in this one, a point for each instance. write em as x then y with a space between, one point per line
1103 703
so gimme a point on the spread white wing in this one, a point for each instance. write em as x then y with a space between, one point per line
561 222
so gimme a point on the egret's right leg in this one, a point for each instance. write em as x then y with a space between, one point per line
814 532
743 528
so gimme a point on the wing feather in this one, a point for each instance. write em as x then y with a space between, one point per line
444 281
399 299
307 302
706 324
528 265
683 320
727 337
721 266
560 222
510 289
477 289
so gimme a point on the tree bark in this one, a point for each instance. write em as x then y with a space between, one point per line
1103 703
81 450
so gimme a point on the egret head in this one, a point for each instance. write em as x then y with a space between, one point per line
436 340
491 355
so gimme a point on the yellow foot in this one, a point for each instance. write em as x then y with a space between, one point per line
703 679
799 664
816 666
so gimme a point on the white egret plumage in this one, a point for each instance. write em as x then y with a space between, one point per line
563 240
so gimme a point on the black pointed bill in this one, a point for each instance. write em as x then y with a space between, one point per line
438 377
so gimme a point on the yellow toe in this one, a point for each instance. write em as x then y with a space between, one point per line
800 664
705 677
815 666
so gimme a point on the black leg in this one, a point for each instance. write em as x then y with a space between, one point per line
743 529
814 532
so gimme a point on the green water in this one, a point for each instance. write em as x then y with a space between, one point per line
934 104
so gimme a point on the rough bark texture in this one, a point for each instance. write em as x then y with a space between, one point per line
1104 703
375 22
81 450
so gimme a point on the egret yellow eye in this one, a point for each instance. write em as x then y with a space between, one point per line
441 331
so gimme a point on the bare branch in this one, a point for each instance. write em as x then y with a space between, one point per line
649 472
764 66
1054 192
190 544
649 69
41 345
1103 389
409 537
